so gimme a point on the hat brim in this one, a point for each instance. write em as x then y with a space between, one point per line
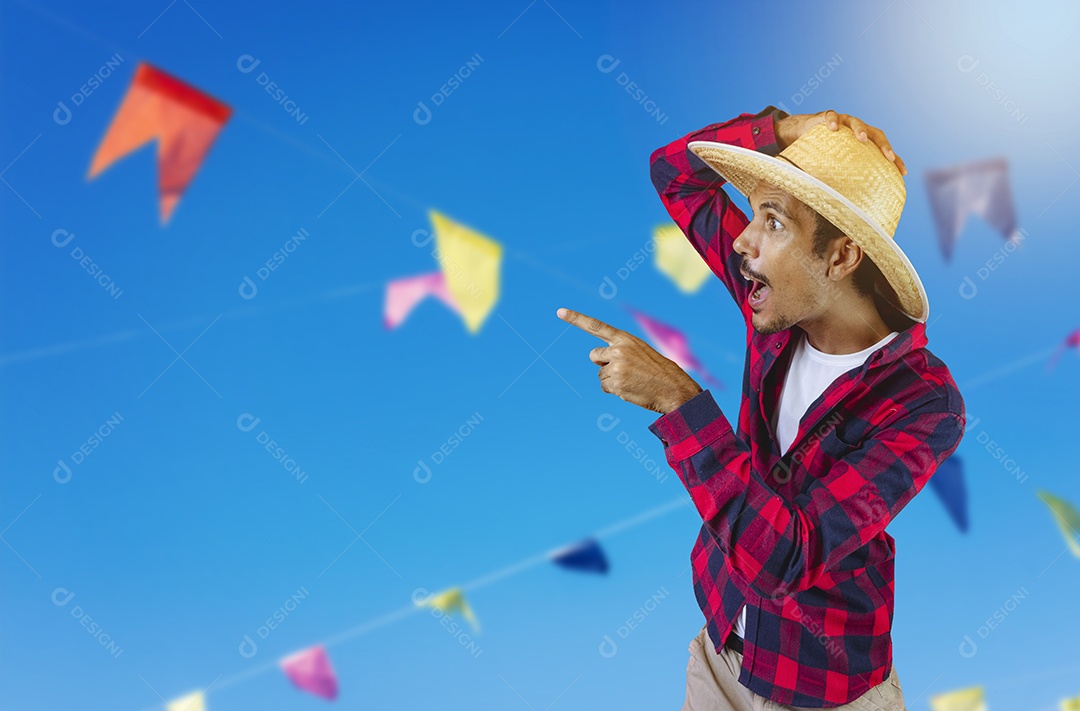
743 168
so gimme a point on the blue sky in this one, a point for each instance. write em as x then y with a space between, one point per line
180 533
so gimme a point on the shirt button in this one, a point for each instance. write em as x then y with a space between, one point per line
757 130
778 345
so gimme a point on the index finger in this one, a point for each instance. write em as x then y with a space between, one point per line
589 324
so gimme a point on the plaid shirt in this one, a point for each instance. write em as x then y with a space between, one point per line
799 537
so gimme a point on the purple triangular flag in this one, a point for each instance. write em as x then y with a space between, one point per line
310 670
981 188
671 343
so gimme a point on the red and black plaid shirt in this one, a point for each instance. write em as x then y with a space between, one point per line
799 537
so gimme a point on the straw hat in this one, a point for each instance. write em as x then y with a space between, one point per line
850 183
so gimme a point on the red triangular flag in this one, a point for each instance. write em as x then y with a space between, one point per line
1073 339
184 120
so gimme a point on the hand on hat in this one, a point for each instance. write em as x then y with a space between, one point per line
790 128
632 369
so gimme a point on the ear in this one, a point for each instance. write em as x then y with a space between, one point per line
846 257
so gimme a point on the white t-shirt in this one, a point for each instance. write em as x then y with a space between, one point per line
810 372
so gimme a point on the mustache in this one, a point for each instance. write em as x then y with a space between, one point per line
747 273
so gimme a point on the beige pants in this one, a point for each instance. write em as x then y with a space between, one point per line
712 684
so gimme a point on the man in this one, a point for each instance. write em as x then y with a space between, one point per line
845 413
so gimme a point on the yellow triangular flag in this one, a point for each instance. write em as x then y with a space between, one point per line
1066 517
471 263
1072 704
452 600
191 702
970 699
678 260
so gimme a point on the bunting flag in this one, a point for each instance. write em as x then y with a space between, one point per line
1065 516
948 484
586 556
1072 340
450 601
403 295
184 120
471 263
671 343
191 702
310 670
981 188
677 259
970 699
1072 704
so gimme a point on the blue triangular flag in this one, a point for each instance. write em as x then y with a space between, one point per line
948 484
586 555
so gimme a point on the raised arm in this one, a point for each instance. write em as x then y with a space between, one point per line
693 194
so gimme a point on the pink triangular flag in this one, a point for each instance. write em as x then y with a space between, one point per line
403 295
310 671
1073 339
671 343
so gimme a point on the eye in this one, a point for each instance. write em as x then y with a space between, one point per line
770 219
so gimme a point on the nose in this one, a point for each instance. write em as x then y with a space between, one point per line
743 244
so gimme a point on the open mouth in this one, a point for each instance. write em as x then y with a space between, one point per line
759 293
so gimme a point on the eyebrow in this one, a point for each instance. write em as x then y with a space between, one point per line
777 207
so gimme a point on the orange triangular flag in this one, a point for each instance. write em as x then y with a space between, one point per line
184 120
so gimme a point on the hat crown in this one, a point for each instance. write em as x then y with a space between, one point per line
857 170
848 182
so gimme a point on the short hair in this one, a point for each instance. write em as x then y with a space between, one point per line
865 274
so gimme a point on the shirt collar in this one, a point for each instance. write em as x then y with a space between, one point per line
910 339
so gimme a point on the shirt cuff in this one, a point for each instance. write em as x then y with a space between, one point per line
691 427
764 129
